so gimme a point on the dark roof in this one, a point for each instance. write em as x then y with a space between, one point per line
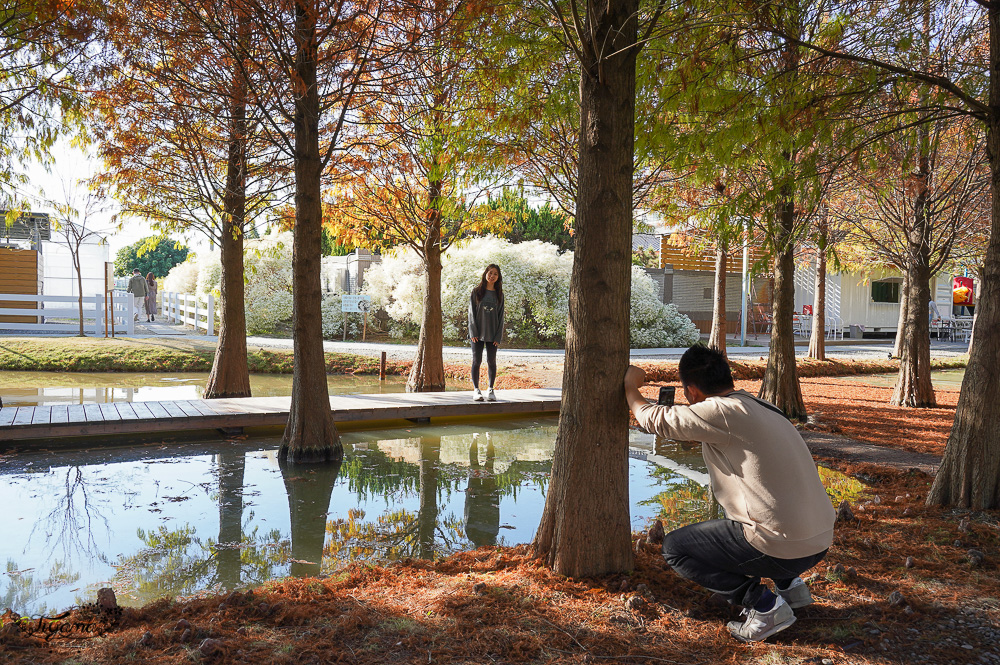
646 241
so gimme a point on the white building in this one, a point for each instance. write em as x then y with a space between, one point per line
59 274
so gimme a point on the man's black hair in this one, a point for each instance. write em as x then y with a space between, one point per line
706 369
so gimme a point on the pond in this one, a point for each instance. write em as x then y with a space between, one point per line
194 517
51 388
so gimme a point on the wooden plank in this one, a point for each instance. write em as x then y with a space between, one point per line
60 414
7 414
142 411
189 410
203 407
42 415
93 412
24 416
109 411
125 411
173 410
155 417
156 409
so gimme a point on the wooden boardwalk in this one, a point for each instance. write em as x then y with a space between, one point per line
123 418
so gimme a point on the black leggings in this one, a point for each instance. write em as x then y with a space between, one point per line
477 361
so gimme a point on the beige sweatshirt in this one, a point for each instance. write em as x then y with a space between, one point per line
761 470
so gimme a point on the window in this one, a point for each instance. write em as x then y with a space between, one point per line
885 291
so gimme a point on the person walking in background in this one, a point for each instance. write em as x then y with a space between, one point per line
486 327
137 287
150 297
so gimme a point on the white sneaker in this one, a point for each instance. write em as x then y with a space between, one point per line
491 396
761 625
797 594
477 395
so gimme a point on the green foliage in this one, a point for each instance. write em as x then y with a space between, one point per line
331 247
526 223
646 258
155 254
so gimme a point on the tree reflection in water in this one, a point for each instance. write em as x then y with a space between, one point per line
309 488
431 530
179 562
69 526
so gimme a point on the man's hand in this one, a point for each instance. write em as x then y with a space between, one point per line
635 377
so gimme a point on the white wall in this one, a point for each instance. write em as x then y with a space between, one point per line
60 277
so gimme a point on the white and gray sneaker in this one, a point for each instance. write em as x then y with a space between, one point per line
796 595
761 625
477 395
491 396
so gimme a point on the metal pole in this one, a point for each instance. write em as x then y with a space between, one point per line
746 284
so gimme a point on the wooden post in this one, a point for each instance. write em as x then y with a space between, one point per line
364 330
381 368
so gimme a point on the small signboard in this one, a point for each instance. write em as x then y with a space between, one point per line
355 303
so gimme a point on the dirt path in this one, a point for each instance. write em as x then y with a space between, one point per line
823 444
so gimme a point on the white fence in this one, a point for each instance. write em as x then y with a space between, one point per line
186 309
96 309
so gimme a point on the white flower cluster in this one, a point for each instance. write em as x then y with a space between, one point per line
536 290
654 324
268 275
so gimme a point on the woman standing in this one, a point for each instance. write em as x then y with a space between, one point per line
150 297
486 327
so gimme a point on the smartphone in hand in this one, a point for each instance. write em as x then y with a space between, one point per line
666 397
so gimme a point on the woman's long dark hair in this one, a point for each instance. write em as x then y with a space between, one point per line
150 279
480 290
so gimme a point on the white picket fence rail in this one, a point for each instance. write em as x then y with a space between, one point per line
96 309
187 309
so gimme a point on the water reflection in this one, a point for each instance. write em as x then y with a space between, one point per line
309 488
198 517
53 388
482 496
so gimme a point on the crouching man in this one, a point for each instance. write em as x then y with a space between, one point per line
779 520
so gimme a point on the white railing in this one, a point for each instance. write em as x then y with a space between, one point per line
186 309
95 311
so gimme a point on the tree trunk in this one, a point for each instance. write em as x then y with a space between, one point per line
717 338
904 296
585 528
781 378
230 376
913 386
970 470
310 435
817 338
79 286
427 373
309 493
427 511
230 467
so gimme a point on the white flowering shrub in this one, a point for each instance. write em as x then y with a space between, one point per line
268 274
183 277
333 319
536 290
654 324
